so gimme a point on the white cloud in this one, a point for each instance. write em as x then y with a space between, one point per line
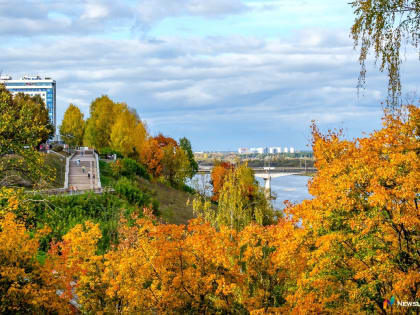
152 11
95 10
213 88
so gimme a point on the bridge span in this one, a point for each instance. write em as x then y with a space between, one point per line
206 169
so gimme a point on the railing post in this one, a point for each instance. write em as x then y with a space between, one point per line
98 174
66 175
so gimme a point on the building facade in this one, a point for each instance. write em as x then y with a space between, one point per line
35 85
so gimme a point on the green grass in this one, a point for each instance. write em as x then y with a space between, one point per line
171 202
62 213
173 206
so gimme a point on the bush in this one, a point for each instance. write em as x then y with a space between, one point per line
62 213
131 167
188 189
126 189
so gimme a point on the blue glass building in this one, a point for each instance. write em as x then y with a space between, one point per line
35 85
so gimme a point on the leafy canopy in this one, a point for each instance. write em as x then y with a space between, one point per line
73 126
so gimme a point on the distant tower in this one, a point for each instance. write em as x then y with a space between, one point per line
292 150
286 150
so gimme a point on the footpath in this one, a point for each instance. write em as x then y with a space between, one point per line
83 174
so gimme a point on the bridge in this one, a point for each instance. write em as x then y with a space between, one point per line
267 173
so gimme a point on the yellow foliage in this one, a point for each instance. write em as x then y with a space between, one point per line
25 285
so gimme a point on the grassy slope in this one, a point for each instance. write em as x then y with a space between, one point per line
59 166
172 202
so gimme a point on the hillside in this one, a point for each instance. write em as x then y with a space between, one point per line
17 176
173 206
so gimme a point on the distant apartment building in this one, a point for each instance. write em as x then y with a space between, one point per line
274 150
35 85
258 150
270 150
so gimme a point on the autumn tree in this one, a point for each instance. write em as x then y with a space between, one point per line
151 156
384 27
73 126
241 202
75 258
165 141
163 157
103 113
175 164
128 133
24 122
218 174
24 125
185 144
364 219
26 287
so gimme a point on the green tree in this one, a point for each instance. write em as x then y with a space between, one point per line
73 126
241 202
24 125
41 126
383 26
185 144
175 164
103 113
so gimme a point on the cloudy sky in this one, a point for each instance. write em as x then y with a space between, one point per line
224 73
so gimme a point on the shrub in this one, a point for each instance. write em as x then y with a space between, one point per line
62 213
188 189
131 167
128 190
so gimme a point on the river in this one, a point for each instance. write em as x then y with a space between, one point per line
293 188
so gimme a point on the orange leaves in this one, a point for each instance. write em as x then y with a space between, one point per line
218 175
165 141
77 267
346 250
175 269
25 286
151 157
163 157
363 220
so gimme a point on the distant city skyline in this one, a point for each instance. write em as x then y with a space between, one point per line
224 74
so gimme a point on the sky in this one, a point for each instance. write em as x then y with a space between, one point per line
223 73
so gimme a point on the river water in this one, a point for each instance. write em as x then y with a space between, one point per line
293 188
